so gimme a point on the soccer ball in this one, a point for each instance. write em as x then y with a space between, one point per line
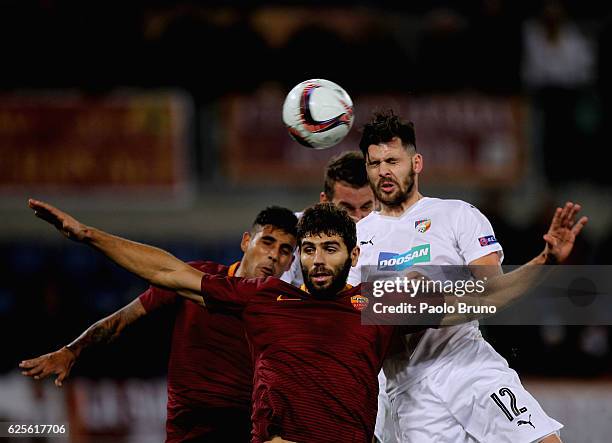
318 113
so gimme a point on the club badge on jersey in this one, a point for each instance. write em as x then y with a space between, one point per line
359 302
422 226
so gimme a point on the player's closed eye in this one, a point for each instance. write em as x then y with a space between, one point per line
268 241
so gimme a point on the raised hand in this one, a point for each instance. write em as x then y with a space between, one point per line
65 223
58 363
562 232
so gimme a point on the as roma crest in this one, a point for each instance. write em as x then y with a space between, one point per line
359 302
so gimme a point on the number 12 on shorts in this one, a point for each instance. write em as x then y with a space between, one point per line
503 392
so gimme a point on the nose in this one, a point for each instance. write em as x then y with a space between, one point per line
384 170
273 254
359 214
354 214
318 257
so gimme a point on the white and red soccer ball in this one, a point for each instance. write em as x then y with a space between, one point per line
318 113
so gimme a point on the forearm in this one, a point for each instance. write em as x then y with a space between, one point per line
544 258
108 329
500 291
155 265
504 289
101 332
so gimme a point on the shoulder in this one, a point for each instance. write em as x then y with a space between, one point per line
262 283
353 290
368 222
209 267
447 204
268 287
450 206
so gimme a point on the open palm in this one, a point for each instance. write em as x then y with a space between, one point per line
563 231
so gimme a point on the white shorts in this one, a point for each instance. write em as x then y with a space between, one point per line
477 398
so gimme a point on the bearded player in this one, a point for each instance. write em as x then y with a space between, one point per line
449 384
209 369
315 365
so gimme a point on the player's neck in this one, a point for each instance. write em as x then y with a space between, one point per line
240 272
399 210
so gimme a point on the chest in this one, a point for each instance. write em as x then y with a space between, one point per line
318 327
396 245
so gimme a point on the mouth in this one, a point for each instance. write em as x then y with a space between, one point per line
266 271
387 186
320 277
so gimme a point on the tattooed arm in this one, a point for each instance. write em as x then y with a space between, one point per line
103 331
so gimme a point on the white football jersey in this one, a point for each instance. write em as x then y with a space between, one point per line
431 232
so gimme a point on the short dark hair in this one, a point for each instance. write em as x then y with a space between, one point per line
281 218
383 127
347 167
327 218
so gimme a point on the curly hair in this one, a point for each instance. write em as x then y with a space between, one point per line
328 219
383 127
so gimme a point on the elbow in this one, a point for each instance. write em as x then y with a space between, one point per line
173 279
164 278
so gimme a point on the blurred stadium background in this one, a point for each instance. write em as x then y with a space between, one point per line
160 121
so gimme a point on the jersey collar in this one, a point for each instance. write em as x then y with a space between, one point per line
346 288
232 269
406 213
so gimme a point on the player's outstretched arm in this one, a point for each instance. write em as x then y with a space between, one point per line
502 290
155 265
103 331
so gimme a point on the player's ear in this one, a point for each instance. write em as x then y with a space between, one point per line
244 243
417 163
323 198
355 255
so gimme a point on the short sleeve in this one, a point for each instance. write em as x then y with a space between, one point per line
227 294
155 298
474 234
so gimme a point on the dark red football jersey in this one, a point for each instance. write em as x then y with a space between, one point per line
210 369
316 366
